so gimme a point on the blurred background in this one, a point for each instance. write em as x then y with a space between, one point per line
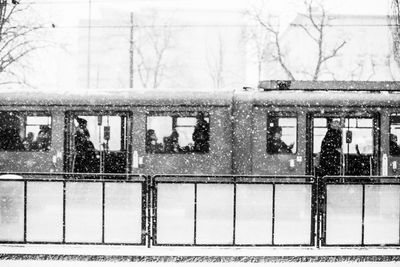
187 44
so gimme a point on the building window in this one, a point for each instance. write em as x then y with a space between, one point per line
182 132
281 134
25 131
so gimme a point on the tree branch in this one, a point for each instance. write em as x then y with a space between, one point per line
308 32
275 33
334 52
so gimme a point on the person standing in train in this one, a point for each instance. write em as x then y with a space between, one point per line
393 146
85 153
331 149
201 134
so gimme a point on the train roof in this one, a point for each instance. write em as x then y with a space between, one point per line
327 93
354 86
151 97
331 99
269 93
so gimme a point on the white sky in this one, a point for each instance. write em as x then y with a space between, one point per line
68 16
69 11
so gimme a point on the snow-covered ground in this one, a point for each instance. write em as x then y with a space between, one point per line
30 263
89 264
75 255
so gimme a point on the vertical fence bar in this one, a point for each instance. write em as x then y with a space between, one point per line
64 208
25 209
195 215
324 207
363 214
314 204
146 210
317 212
153 213
273 214
103 204
234 213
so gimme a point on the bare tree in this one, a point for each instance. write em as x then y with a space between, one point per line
17 40
274 32
215 64
315 28
151 39
260 46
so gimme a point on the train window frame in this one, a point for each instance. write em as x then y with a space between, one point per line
174 115
23 129
287 115
394 151
353 122
124 134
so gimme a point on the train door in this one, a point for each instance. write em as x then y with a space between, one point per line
96 143
358 153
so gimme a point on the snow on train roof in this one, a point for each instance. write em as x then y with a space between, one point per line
329 85
327 93
333 99
302 93
133 97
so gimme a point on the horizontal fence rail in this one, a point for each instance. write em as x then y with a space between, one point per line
233 210
361 211
72 209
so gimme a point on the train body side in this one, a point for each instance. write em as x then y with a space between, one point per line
136 107
252 110
238 128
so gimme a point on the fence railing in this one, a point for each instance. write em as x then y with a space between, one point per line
73 209
361 211
199 210
233 210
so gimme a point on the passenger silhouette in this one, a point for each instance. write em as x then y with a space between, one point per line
330 157
201 134
28 141
43 140
172 142
10 138
275 144
151 142
85 153
393 146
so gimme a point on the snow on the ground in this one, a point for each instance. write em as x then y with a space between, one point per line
17 263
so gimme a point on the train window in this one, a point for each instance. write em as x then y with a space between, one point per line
178 133
361 130
106 132
362 136
25 131
320 128
394 147
281 134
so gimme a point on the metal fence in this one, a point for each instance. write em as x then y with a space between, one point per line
361 211
233 210
72 209
199 210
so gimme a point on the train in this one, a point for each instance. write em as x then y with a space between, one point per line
201 168
239 127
